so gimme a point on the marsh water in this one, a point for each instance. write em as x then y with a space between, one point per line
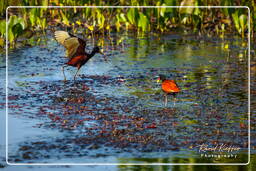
114 111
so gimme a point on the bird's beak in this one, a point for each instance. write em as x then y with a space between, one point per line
101 53
158 80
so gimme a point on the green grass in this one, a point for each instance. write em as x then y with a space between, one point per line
140 20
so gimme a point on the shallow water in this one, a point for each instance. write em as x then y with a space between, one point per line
114 112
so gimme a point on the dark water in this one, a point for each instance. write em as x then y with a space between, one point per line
114 112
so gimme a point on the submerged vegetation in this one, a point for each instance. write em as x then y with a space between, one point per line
24 22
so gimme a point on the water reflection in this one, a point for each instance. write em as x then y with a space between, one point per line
123 103
184 167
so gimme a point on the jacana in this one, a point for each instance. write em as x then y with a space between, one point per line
169 87
75 50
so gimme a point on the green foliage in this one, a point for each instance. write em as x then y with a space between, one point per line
2 32
16 26
240 22
100 19
133 16
64 18
33 15
2 27
140 20
143 22
187 10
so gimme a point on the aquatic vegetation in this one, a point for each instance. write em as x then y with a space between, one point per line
140 20
119 106
16 26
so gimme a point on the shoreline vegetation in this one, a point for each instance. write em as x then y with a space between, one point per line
24 23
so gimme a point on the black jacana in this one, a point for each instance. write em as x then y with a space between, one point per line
75 50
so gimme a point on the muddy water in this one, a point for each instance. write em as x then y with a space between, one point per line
114 112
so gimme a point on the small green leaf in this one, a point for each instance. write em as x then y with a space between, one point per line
64 18
236 21
143 22
2 27
171 3
123 18
17 30
162 10
33 16
132 16
187 3
242 21
2 41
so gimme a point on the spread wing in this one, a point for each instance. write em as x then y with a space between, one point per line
74 45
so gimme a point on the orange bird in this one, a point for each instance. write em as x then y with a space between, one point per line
75 50
169 87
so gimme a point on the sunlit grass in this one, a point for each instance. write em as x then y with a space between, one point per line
139 20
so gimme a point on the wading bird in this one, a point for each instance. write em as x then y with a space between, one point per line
75 50
169 87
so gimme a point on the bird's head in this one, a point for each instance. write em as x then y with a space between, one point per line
161 78
96 49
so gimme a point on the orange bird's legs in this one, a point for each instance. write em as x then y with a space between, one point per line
174 100
165 99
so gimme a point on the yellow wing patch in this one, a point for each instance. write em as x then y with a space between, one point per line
70 43
61 36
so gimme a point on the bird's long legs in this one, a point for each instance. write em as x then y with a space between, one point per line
76 73
65 75
174 100
64 72
165 99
